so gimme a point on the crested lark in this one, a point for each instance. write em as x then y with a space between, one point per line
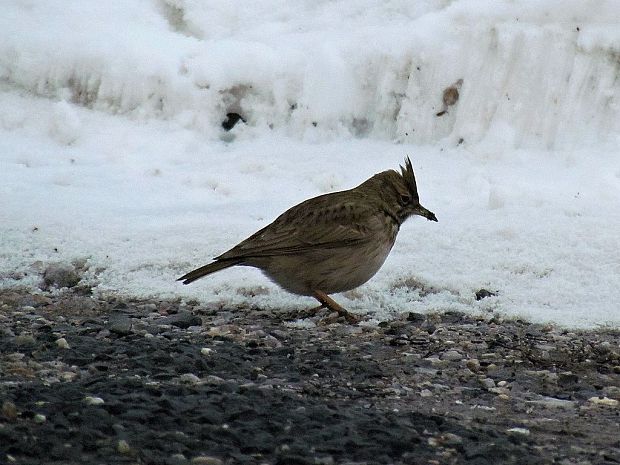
330 243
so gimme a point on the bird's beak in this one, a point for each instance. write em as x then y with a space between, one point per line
429 215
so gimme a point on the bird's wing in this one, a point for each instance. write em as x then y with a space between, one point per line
316 223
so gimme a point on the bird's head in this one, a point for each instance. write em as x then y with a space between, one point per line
400 192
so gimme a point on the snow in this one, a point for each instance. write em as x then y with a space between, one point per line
112 151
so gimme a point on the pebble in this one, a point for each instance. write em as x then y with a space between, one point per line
435 361
148 307
450 439
6 332
473 364
488 383
206 460
68 376
123 447
39 418
206 351
452 356
552 402
60 275
612 392
189 378
182 320
177 459
604 401
90 400
62 343
212 379
9 410
522 431
25 340
120 324
566 378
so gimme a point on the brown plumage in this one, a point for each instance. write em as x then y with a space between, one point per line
330 243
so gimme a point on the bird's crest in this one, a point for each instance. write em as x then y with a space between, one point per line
409 177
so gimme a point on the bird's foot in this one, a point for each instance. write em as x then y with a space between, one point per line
327 302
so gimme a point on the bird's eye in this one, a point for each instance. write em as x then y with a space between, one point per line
405 199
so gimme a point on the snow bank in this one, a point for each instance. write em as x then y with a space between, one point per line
539 75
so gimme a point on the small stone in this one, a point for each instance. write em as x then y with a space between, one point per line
60 275
487 383
415 317
604 401
6 332
502 383
473 364
38 300
604 347
435 361
149 307
39 418
206 460
521 431
425 393
177 459
182 320
9 410
566 378
206 351
120 324
450 439
452 356
212 379
613 392
484 293
552 402
25 340
90 400
123 447
189 378
62 343
67 376
433 442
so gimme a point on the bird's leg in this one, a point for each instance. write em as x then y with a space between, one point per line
327 301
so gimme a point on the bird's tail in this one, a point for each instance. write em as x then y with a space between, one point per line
207 269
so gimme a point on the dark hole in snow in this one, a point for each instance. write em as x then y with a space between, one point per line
231 120
484 293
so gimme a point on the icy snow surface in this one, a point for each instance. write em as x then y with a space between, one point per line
112 151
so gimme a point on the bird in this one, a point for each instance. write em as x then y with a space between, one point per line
331 243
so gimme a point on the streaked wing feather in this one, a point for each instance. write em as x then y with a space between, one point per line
294 232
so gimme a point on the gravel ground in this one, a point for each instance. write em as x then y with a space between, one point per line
117 381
